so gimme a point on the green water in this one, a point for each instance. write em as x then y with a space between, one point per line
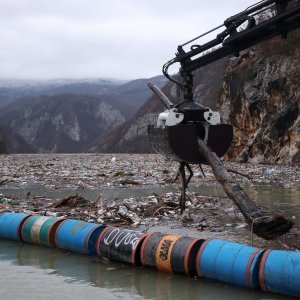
280 198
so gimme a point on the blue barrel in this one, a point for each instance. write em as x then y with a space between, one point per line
78 236
280 272
11 225
229 262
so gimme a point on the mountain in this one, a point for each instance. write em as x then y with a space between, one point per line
63 123
133 93
12 90
136 92
261 99
11 142
132 135
69 115
257 92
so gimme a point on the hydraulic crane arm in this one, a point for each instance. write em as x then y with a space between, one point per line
279 21
192 134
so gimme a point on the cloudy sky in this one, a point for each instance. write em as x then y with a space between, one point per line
124 39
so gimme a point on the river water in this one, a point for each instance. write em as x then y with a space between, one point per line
32 272
284 198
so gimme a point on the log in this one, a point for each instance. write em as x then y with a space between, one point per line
160 95
239 173
71 201
265 224
125 217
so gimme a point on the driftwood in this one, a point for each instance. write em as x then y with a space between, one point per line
239 173
3 181
126 217
161 205
70 201
265 224
160 95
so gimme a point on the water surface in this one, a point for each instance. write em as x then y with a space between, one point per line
33 272
276 197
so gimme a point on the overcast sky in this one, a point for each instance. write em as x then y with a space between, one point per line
124 39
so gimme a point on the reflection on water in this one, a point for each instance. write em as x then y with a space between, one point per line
285 199
33 272
267 194
111 193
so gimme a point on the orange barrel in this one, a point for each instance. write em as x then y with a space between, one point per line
280 272
122 245
41 230
78 236
11 225
229 262
150 248
170 253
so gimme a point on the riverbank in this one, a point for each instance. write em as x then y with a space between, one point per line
138 191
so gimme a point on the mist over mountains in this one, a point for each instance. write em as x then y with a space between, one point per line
66 115
12 90
257 92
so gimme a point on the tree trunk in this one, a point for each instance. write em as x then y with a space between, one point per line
265 224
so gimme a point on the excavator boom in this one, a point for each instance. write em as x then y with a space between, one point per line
258 23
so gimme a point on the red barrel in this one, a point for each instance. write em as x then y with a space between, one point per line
170 253
122 245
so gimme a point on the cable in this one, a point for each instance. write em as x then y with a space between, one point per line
165 72
201 35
